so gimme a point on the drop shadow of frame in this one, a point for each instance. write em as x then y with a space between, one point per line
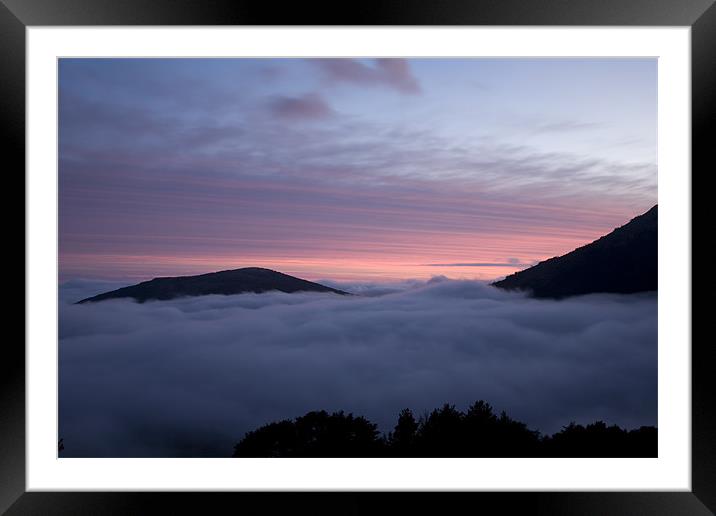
16 15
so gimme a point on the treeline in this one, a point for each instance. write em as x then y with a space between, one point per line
444 432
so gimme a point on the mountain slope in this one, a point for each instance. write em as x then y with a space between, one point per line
250 279
624 261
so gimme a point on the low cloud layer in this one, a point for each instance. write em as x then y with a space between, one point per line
189 377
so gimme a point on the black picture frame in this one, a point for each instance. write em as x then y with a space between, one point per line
16 15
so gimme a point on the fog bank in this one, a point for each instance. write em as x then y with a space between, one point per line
189 377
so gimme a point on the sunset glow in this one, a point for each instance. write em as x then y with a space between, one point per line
348 169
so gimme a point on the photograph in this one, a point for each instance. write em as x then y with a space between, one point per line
357 257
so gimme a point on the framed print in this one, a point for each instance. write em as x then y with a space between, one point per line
409 249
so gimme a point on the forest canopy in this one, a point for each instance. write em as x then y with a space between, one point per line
444 432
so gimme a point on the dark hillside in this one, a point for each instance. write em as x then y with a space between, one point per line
624 262
237 281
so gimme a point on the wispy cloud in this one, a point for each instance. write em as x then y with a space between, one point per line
310 106
565 126
481 264
205 163
392 73
373 198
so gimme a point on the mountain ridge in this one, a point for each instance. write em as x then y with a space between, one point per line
624 261
227 282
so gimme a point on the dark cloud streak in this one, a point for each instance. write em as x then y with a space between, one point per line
393 73
478 264
307 107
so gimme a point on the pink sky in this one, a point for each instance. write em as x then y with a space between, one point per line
388 233
353 170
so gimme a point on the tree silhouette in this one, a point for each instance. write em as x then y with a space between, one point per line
444 432
440 434
599 440
402 439
317 434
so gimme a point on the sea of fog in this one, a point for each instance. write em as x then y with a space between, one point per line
189 377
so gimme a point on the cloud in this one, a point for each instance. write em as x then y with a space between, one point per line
392 73
480 264
344 189
567 126
307 107
188 377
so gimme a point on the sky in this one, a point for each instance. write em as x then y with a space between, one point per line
348 169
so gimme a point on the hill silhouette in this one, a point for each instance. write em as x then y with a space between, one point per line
236 281
624 262
444 432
